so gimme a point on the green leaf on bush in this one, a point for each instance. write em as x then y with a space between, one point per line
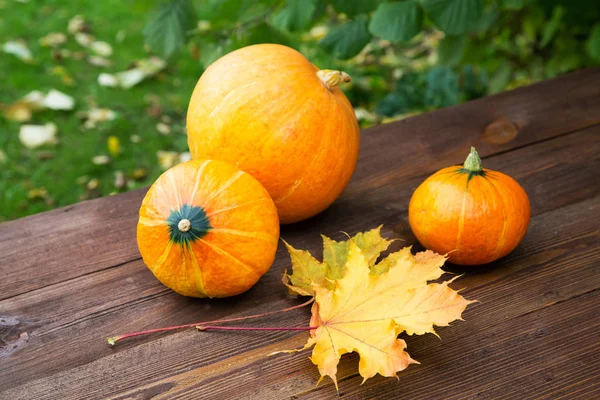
454 17
473 82
551 27
296 15
514 4
397 21
451 50
167 29
354 7
500 78
409 95
593 43
347 40
442 87
487 19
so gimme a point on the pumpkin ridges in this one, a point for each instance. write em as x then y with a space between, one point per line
501 240
237 232
461 226
224 186
170 175
198 179
238 201
272 128
487 215
305 172
235 207
197 271
424 228
519 204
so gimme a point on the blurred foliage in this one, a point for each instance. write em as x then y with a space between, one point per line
405 56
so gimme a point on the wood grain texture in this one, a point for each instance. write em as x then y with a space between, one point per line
69 292
397 151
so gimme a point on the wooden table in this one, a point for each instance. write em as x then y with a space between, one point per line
73 276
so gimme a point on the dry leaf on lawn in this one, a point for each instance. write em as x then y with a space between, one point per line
131 77
33 136
19 49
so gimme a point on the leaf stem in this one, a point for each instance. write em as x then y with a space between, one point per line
252 328
114 339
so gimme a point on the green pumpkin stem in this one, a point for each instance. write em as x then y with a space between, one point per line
473 161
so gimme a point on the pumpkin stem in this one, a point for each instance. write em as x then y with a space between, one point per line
473 161
332 78
184 225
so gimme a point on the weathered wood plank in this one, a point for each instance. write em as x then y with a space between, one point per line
554 265
51 247
536 355
55 314
63 244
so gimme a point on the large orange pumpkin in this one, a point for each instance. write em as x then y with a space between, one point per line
268 110
207 229
475 214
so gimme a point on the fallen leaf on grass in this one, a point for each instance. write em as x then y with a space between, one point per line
98 61
127 79
65 76
163 128
167 159
135 139
101 48
114 145
22 109
19 111
95 115
19 49
33 136
84 39
120 180
56 100
100 160
364 313
139 173
76 24
38 193
107 80
93 184
3 157
53 39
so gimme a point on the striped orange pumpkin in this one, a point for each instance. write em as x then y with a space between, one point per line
475 214
207 229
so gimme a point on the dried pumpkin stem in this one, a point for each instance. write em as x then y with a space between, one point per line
332 78
114 339
473 161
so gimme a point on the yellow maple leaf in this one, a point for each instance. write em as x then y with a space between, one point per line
307 270
364 312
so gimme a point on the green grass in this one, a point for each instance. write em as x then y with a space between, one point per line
65 174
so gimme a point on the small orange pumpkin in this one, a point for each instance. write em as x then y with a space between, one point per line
207 229
476 215
268 110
